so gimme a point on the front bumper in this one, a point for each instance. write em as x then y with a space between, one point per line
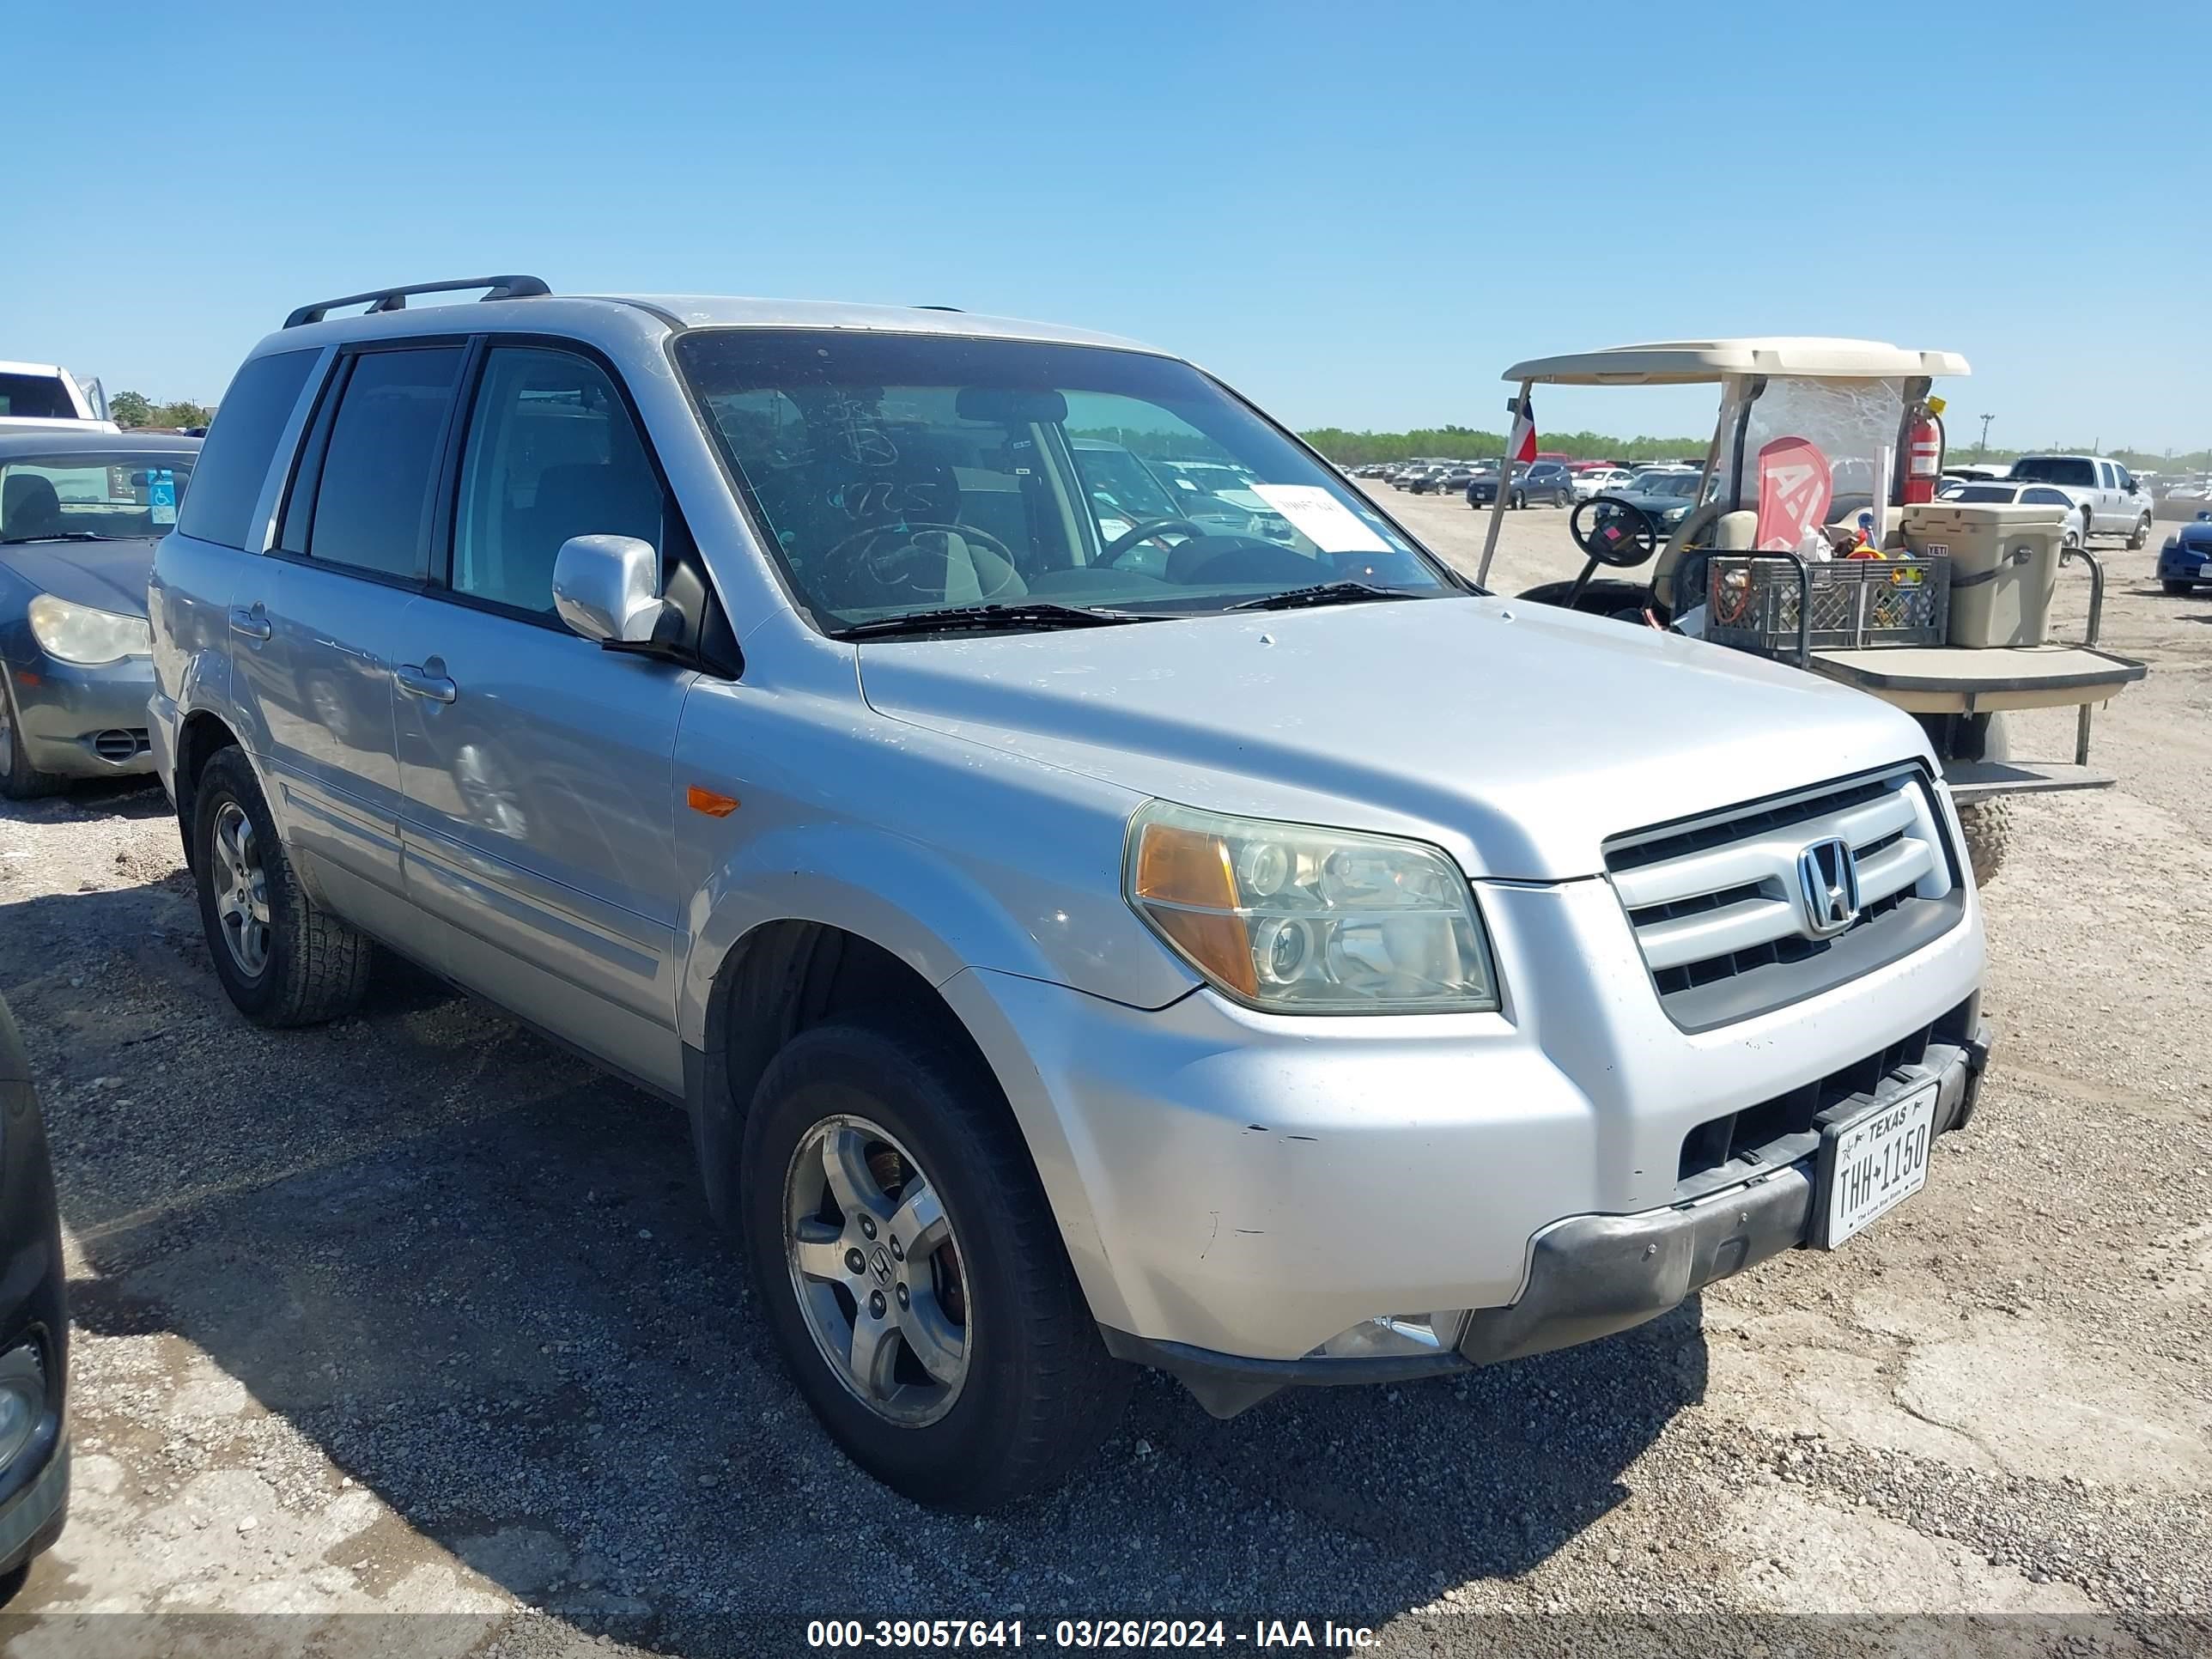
31 1522
84 722
1590 1276
33 1310
2184 564
1252 1185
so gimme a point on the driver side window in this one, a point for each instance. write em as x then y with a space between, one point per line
552 452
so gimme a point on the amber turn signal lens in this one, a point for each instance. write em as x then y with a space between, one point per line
1188 887
706 800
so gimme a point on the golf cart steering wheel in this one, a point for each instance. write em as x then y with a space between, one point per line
1622 537
1110 554
909 564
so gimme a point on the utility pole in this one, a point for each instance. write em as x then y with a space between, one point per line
1982 448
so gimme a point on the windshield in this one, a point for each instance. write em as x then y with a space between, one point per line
2057 470
1984 492
1668 483
108 493
897 474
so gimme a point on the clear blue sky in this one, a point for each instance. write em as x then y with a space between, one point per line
1301 197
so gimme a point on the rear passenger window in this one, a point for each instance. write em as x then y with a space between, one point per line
372 507
552 452
234 462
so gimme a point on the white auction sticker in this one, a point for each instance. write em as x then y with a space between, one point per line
1321 517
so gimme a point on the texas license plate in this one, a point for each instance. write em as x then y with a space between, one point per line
1875 1161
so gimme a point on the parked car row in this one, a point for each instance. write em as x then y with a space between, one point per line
2102 496
1546 482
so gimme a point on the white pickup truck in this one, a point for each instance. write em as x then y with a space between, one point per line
2110 500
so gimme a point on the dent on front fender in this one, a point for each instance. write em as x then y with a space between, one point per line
909 843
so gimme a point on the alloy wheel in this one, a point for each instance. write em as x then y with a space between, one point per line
241 890
876 1270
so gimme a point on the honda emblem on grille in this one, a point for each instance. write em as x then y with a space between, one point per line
1828 876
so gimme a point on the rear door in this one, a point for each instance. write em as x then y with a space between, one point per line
317 633
535 767
222 527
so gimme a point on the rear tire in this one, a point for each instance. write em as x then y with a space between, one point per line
283 960
1037 1391
19 779
1987 823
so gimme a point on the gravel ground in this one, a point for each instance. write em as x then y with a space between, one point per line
418 1316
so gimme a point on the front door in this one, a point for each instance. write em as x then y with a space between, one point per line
536 768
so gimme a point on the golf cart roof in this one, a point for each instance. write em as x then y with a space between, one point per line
1692 362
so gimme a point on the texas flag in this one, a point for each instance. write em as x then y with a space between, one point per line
1522 445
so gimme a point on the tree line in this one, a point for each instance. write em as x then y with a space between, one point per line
1462 443
1466 443
136 409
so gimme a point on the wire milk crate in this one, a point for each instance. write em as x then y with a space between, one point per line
1782 605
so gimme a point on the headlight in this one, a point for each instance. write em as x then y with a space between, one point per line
1294 919
78 634
1674 515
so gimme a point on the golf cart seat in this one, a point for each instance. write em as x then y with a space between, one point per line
1716 532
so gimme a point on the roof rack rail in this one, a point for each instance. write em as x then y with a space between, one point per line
395 299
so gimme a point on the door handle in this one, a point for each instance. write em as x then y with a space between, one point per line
416 681
253 623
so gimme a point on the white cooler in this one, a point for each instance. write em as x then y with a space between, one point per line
2005 566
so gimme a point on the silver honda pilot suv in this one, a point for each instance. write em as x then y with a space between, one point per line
1084 930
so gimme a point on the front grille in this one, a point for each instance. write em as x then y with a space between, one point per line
1719 916
1781 1130
119 745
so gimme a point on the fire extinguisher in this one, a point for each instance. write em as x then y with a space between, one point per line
1924 446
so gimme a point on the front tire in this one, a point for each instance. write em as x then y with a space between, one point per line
283 960
2177 589
1520 501
913 1275
2141 538
19 779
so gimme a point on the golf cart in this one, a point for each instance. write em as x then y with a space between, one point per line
1939 607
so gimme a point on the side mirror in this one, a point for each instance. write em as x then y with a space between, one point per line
607 588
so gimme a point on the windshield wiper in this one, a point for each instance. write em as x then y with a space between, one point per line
60 536
1297 599
985 618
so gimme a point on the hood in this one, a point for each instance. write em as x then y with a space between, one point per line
2198 532
1518 735
106 575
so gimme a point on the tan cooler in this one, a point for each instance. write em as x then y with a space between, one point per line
2005 566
